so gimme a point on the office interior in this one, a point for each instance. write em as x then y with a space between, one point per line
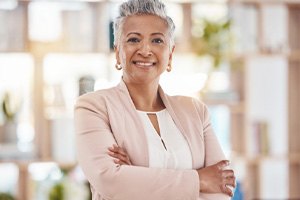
240 57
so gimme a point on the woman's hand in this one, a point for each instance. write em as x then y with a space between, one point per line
119 154
216 178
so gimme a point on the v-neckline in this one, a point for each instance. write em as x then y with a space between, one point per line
156 134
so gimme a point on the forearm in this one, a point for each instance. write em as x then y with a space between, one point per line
133 182
130 182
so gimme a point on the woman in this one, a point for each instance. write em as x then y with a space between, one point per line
134 141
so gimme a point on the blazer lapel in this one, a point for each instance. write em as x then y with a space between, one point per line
138 145
138 142
180 123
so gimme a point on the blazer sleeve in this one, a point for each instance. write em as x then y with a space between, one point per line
122 182
213 150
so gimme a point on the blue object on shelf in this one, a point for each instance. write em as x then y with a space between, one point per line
238 193
220 120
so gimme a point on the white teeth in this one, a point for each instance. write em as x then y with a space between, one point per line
144 64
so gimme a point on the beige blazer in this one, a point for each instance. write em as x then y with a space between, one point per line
107 117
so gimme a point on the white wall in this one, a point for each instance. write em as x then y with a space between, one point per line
266 87
267 98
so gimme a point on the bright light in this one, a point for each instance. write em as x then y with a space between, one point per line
25 132
10 63
44 21
214 12
218 81
177 84
41 171
8 4
9 173
62 73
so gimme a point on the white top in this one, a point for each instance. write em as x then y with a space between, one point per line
176 153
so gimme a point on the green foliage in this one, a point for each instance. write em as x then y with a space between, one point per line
6 196
57 192
9 110
214 40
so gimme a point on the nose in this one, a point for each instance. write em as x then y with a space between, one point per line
145 49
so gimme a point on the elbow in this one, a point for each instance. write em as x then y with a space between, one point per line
102 180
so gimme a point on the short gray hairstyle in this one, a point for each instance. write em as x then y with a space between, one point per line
142 7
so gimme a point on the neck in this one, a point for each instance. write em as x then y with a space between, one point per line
145 96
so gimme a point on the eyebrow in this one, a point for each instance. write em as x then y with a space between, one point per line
136 33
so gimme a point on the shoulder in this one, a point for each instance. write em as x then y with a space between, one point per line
186 102
189 106
96 99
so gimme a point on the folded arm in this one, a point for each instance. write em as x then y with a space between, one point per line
113 181
215 178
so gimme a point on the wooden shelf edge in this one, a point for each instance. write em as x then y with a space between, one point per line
260 2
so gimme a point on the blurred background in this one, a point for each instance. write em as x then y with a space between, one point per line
241 57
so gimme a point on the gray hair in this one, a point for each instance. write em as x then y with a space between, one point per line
142 7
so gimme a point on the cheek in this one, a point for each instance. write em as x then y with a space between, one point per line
125 55
165 57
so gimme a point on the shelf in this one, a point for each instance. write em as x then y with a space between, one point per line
265 1
34 179
47 116
10 151
25 163
292 159
295 56
235 107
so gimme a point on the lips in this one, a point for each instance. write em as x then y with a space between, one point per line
144 64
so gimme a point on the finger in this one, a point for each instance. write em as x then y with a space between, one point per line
120 162
222 164
113 149
122 158
112 154
118 156
226 190
121 151
231 181
118 149
227 173
117 161
110 148
124 154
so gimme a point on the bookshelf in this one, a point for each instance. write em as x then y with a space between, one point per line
276 56
255 47
25 52
294 99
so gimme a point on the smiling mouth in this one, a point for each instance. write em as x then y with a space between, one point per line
144 64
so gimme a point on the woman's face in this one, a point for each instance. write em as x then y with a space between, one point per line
144 51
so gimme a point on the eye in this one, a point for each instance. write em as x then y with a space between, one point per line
133 40
157 40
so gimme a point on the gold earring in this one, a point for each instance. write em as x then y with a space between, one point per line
118 67
169 68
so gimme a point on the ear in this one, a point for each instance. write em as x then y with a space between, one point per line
117 54
171 55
